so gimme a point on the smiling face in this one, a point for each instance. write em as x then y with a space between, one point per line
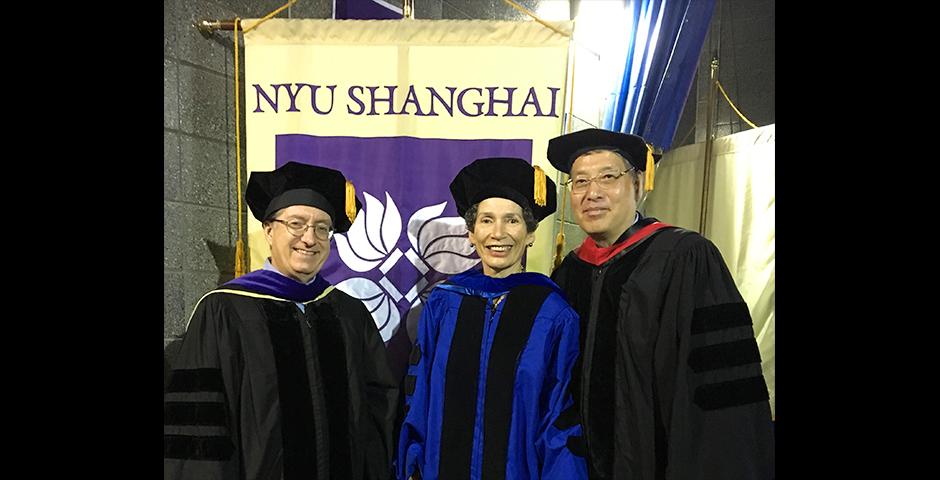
300 257
604 213
500 236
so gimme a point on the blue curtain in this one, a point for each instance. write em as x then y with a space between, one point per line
663 49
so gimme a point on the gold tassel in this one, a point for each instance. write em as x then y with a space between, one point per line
239 258
560 238
540 189
350 201
559 247
650 166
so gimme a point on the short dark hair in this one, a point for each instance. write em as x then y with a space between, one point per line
470 216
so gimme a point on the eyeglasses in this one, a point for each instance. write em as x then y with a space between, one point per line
604 180
298 228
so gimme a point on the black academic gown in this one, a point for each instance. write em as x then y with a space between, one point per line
669 383
261 390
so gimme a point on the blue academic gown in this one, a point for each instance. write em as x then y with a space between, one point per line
487 385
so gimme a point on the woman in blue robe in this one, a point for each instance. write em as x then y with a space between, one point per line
487 386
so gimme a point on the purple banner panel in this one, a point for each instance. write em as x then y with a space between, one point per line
407 237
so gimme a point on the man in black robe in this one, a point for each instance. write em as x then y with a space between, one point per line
669 382
280 375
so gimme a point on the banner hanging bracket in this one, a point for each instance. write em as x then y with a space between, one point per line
207 27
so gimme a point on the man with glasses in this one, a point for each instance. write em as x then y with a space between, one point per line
279 375
669 382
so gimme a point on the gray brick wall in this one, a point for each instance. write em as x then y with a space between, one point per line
199 195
